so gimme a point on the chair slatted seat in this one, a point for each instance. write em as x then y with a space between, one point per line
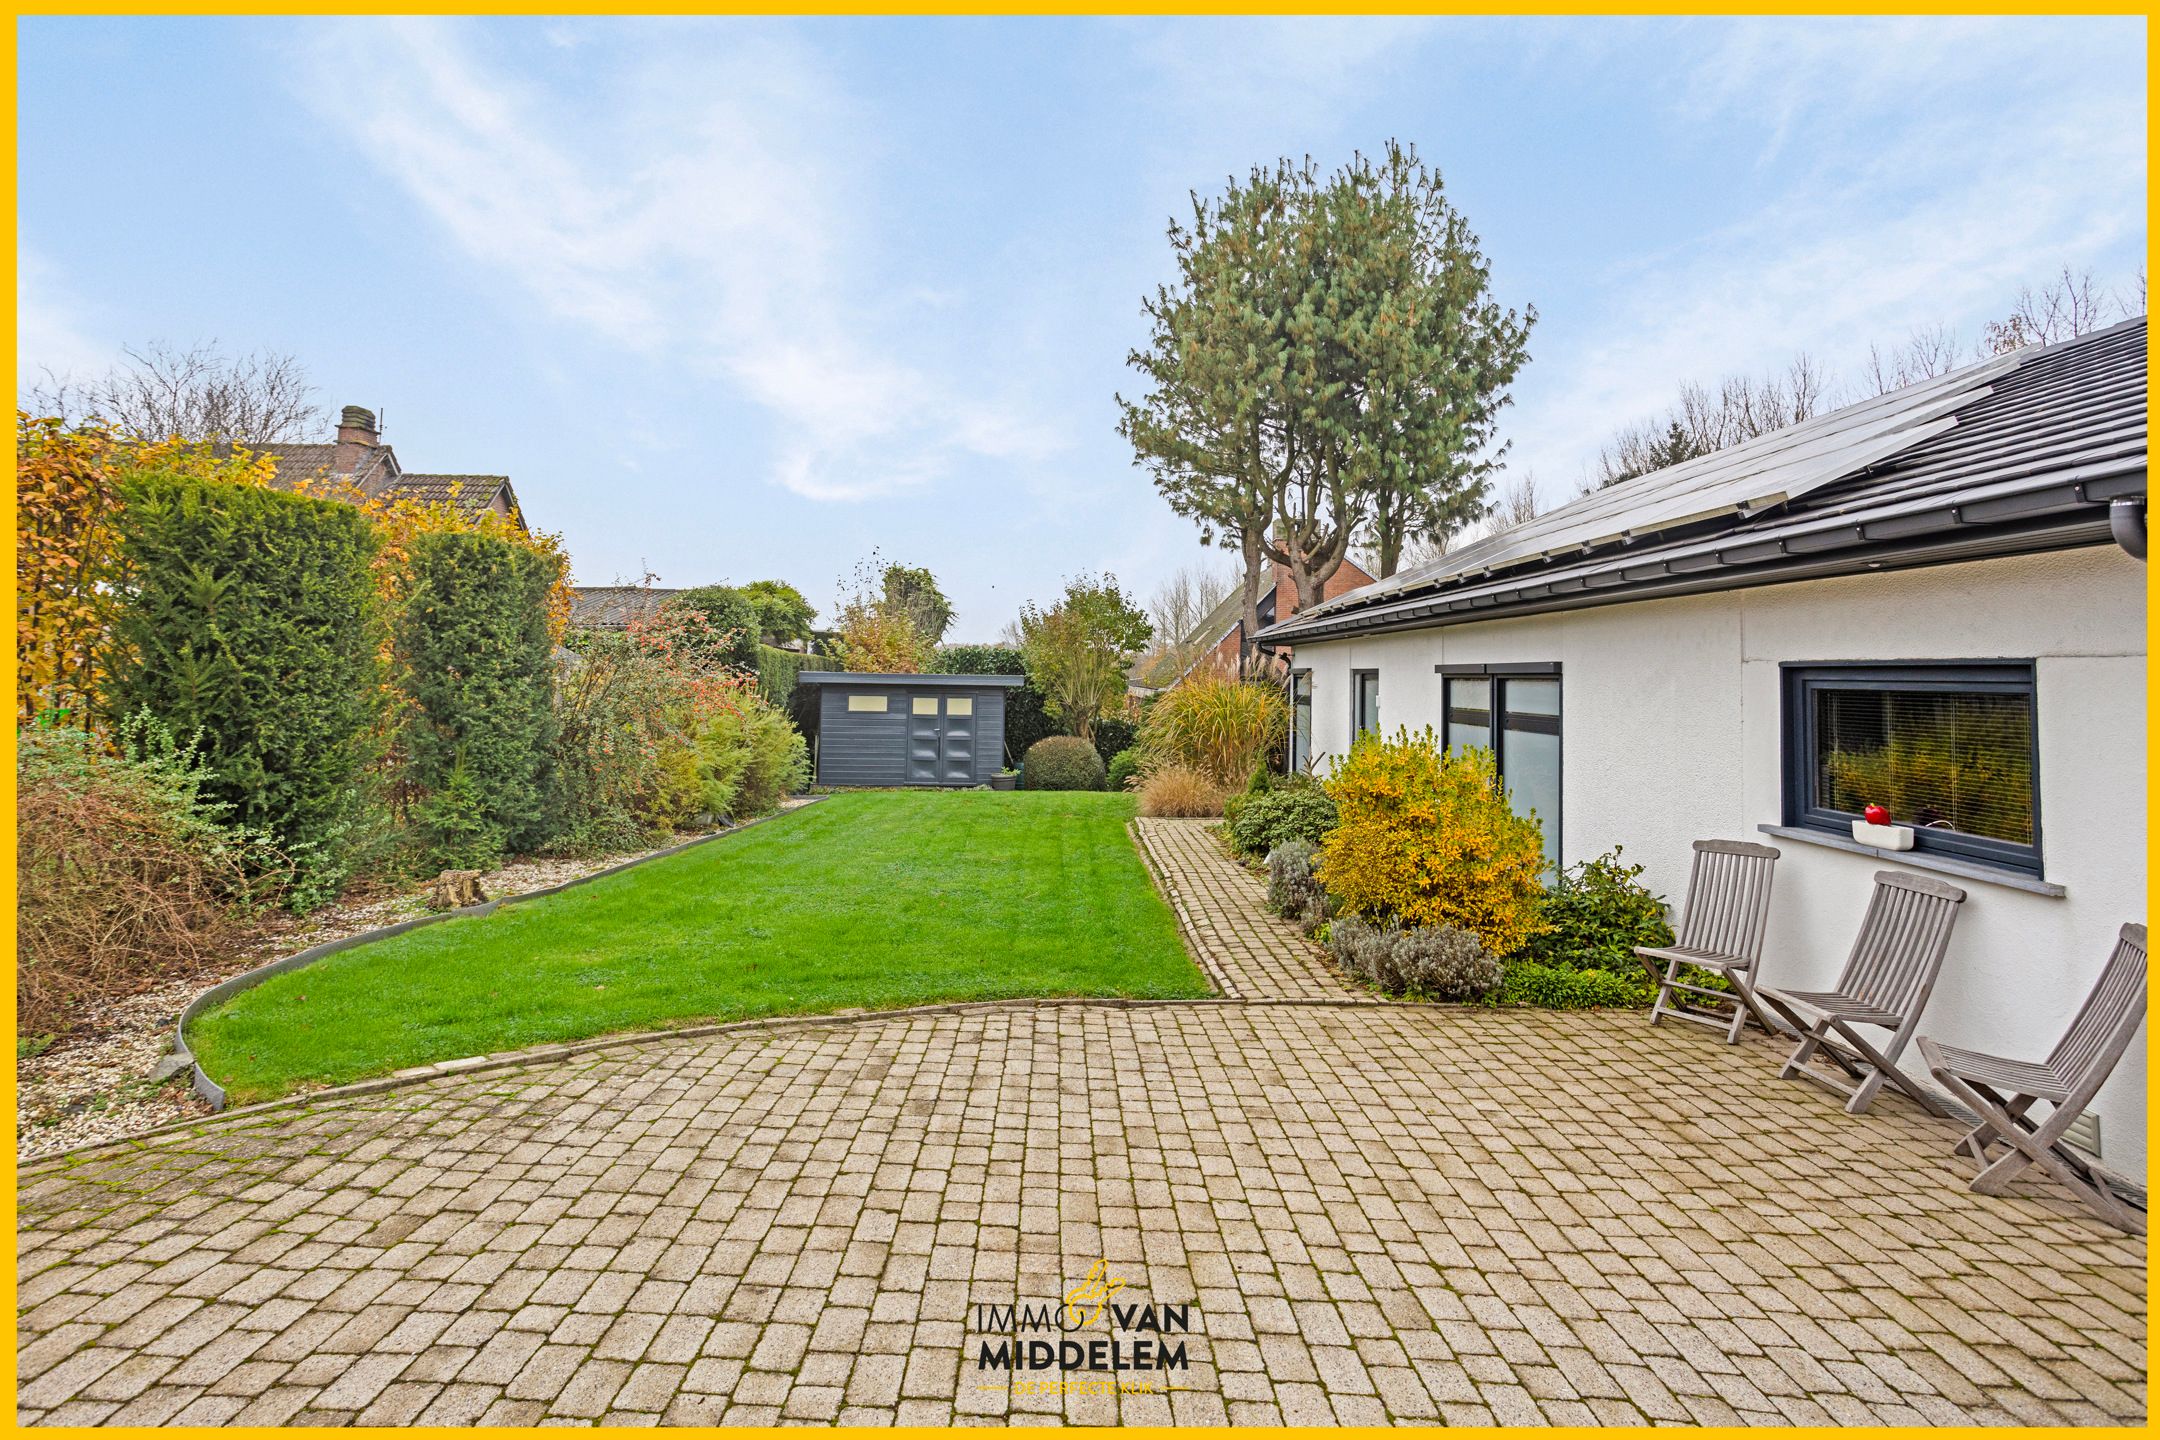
2002 1091
1886 982
1721 931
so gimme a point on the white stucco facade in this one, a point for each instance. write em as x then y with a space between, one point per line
1672 731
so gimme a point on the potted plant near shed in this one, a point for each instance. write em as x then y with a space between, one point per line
1005 780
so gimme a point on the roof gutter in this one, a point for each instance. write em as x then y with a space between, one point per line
2126 522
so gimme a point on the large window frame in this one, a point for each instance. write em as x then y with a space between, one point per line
1801 680
1498 719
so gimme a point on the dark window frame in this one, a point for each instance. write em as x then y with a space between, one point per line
1295 762
1498 720
1798 680
1357 679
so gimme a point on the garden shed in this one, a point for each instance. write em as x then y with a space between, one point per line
937 730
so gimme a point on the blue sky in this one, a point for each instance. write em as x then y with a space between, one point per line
740 298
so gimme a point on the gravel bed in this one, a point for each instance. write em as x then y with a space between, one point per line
94 1083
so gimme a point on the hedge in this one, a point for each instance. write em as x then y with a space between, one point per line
250 617
1027 716
478 666
776 672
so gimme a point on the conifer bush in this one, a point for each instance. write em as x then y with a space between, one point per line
249 619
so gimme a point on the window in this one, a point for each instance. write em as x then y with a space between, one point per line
874 704
1364 702
1948 749
1300 720
960 705
924 705
1525 742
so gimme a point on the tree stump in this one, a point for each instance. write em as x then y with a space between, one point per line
456 888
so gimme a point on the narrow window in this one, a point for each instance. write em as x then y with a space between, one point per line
1948 749
874 704
1300 720
1469 712
925 705
960 705
1364 702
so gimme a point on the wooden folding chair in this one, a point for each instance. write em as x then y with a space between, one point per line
2001 1091
1721 930
1887 978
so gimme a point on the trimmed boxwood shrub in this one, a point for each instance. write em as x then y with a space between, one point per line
1062 762
249 618
473 640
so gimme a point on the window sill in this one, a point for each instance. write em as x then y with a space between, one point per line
1917 860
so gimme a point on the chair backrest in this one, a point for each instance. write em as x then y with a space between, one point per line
1901 943
1728 898
2110 1013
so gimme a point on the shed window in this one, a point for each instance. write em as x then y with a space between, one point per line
926 704
1948 749
960 705
873 704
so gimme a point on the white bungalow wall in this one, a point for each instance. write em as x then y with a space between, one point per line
1671 732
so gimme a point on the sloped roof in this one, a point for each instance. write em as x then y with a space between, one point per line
471 494
613 607
2020 452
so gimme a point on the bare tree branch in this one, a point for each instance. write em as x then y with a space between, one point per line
196 394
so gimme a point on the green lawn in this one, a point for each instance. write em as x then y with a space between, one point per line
873 899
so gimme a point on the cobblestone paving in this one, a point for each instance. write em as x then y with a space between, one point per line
1247 952
1376 1212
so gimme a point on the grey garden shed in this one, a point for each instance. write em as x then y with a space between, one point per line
946 730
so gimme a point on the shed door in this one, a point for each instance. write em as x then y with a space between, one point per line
941 740
925 737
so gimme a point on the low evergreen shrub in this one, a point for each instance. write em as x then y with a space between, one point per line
1123 767
1062 762
1426 962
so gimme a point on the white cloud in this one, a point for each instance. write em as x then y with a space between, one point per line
1906 218
687 192
50 325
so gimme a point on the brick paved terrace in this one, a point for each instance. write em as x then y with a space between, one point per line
1375 1213
1371 1212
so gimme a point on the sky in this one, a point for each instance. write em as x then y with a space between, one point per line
736 299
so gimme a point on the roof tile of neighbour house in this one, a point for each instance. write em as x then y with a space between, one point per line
2020 453
357 457
1214 638
613 607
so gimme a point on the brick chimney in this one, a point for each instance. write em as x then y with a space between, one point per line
356 436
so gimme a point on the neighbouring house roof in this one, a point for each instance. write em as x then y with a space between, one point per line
469 493
2019 453
862 679
613 607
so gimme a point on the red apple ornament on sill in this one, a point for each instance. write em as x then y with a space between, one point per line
1877 814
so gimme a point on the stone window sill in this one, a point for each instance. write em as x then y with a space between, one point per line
1918 860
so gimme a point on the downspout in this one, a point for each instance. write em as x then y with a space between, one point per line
2126 522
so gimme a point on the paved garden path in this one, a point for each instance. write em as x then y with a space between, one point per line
1247 952
1373 1212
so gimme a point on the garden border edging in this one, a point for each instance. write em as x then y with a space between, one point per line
201 1083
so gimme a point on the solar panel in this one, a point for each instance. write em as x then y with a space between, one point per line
1767 470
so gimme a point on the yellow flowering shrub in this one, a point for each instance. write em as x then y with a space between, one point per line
1427 837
